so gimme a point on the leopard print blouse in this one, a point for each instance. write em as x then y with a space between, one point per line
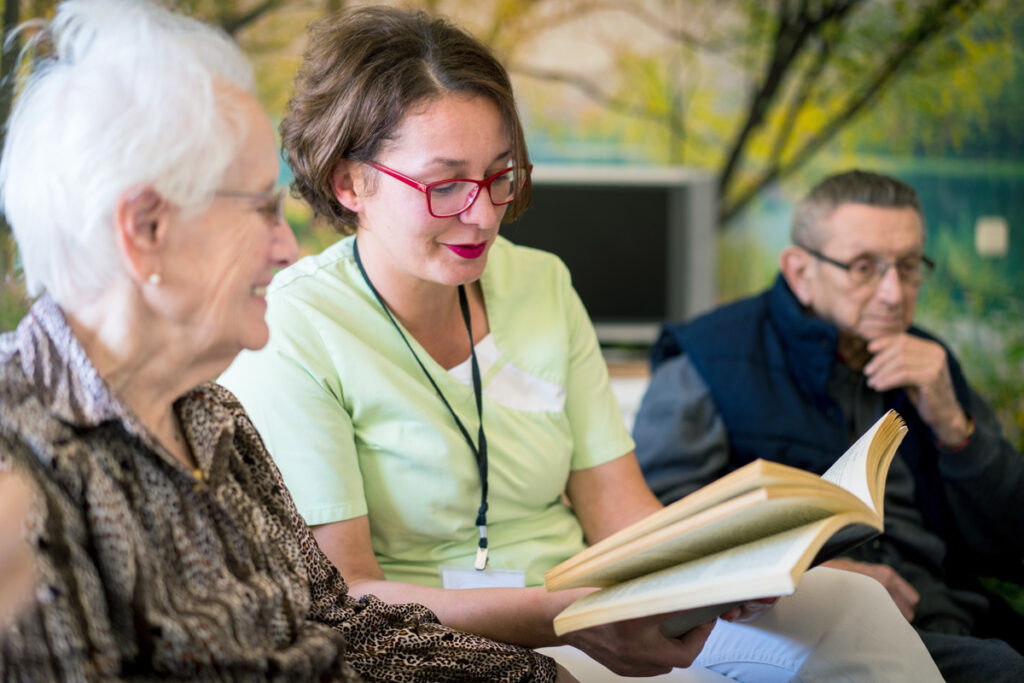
147 570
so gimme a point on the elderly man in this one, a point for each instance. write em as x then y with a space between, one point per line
797 373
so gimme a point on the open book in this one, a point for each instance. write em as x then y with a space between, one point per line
751 534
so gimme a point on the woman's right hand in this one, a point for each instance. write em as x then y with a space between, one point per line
636 647
17 566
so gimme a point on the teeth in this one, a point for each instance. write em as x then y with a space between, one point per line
259 290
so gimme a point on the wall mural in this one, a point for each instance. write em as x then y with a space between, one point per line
769 97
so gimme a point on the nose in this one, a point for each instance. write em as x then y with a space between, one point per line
482 212
890 287
285 248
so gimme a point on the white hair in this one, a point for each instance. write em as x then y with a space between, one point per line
130 97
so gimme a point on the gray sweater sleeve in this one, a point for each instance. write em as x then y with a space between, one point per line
983 481
681 441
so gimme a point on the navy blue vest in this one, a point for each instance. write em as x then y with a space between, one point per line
767 365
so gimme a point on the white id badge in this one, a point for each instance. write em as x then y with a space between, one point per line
467 577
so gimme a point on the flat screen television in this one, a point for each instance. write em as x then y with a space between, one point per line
638 241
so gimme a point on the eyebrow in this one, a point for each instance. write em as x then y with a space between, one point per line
899 256
454 163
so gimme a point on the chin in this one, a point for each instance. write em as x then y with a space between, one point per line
256 344
463 275
256 337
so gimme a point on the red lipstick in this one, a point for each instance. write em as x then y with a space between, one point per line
468 251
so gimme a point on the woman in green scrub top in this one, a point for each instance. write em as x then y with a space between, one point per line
435 395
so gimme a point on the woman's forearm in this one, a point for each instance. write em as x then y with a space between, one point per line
521 616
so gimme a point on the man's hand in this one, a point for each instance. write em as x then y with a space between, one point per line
903 594
637 648
919 366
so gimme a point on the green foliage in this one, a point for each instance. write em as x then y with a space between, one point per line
970 302
964 95
1011 592
313 235
13 303
745 265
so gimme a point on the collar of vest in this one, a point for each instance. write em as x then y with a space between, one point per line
809 343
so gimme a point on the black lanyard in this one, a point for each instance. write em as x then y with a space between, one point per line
479 452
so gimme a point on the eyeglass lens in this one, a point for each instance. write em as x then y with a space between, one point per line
448 199
908 270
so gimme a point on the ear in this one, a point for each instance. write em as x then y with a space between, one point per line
347 185
797 269
142 220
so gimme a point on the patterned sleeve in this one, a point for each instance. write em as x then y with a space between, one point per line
65 634
389 642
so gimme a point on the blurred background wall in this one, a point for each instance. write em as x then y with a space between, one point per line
768 96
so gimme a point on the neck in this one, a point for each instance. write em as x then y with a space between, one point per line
145 360
418 304
853 351
429 311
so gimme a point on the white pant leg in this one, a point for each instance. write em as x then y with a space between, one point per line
838 626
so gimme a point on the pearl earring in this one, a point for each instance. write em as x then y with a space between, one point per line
154 279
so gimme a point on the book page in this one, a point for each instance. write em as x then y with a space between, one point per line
750 517
862 469
756 570
764 568
750 477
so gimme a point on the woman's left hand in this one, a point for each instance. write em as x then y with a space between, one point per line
17 565
749 610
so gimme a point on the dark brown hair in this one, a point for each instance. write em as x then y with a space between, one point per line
849 187
364 70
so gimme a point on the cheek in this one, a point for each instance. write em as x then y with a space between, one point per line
843 309
910 307
235 267
857 308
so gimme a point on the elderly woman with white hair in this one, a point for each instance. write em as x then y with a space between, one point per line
138 176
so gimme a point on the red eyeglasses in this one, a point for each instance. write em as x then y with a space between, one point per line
447 198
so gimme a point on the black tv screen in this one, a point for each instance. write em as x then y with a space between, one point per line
638 242
614 242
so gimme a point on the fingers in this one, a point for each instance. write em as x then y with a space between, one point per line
754 608
905 360
14 498
919 366
17 567
637 648
903 594
692 642
732 615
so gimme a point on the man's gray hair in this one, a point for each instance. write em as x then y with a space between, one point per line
850 187
122 95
